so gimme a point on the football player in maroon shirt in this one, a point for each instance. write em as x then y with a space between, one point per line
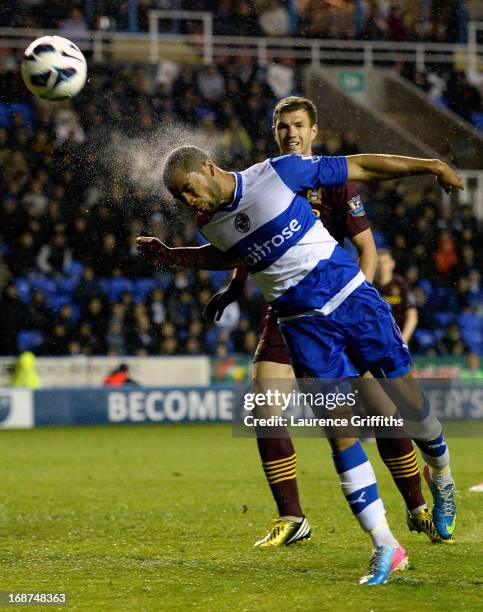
395 290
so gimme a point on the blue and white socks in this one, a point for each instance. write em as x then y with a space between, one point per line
427 433
359 486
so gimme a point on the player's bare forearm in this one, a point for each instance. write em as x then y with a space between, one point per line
389 167
410 324
205 257
366 247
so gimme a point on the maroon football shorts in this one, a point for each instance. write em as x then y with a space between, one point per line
271 346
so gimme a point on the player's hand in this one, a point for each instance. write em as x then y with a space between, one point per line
217 304
447 178
154 251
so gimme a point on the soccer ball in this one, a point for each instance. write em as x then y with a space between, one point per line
54 68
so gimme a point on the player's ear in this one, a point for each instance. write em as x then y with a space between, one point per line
209 167
314 130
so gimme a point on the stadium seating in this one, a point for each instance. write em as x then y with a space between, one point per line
52 199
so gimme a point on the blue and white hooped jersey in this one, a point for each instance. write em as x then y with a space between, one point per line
271 228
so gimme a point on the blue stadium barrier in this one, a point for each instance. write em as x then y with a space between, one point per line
451 399
132 405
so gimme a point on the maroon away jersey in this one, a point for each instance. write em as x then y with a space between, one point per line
398 295
340 209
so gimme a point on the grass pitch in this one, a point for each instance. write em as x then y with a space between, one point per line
165 517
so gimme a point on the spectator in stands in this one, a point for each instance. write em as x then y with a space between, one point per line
55 257
451 343
274 20
119 377
116 343
5 273
91 339
169 346
38 314
57 341
468 261
375 23
473 371
235 142
35 196
446 257
211 84
13 315
223 23
462 97
24 260
192 346
396 27
463 297
140 339
157 306
76 29
474 288
245 18
88 288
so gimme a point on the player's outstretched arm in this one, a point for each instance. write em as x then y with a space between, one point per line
387 167
205 257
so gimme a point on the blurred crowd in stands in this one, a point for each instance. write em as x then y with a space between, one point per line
439 21
418 20
71 279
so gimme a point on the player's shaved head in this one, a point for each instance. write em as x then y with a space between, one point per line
295 103
186 159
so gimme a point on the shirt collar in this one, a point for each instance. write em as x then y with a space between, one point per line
233 205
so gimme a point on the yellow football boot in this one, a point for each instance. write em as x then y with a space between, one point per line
285 532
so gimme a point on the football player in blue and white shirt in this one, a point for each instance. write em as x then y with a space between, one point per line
335 324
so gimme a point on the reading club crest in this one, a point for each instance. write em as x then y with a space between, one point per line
242 223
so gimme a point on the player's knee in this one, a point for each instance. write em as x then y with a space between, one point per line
340 444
